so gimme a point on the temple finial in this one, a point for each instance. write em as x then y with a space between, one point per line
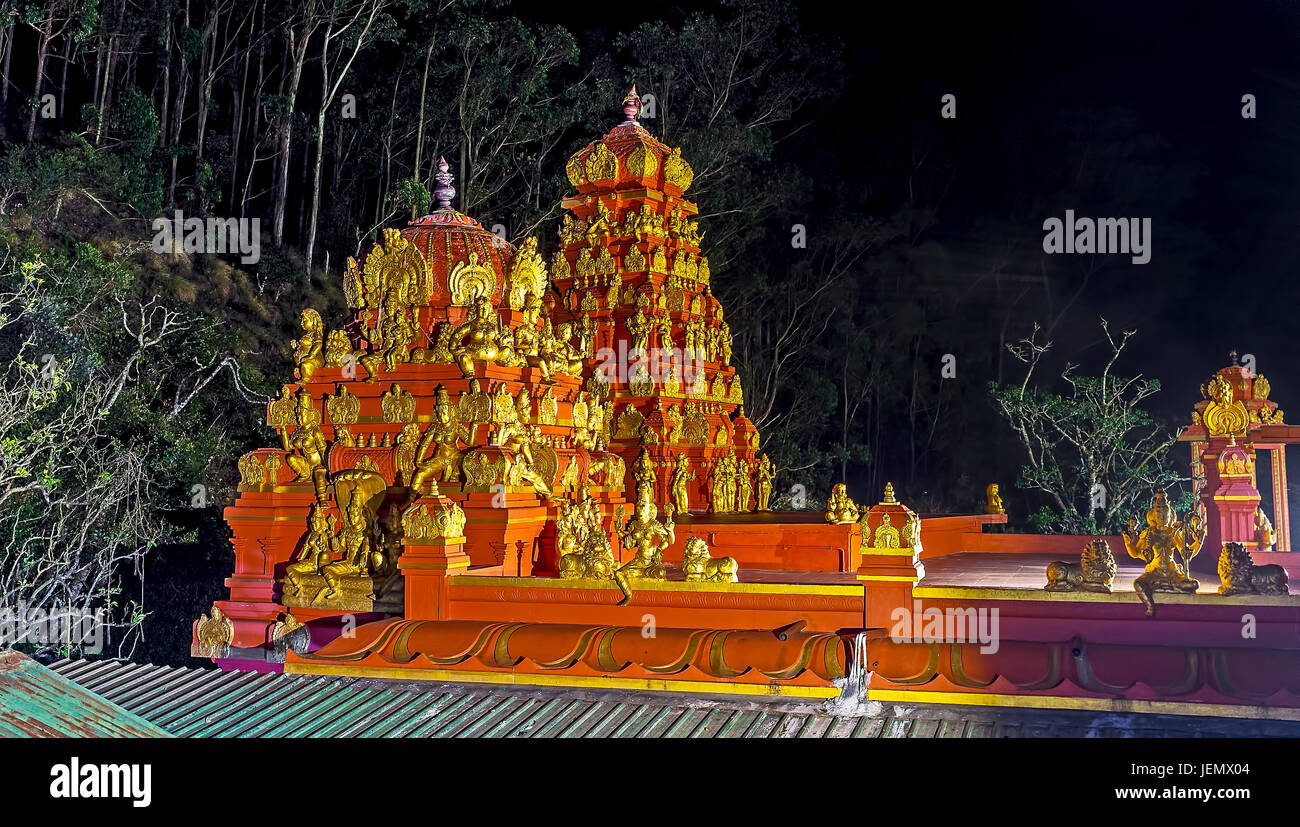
631 106
444 192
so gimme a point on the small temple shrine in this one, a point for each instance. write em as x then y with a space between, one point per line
505 468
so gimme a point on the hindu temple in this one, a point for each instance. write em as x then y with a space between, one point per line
505 468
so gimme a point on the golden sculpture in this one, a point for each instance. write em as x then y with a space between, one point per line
581 543
213 634
471 281
1167 546
315 553
527 275
357 555
647 538
744 485
446 432
306 445
840 509
682 475
559 353
676 171
700 567
1238 574
482 338
602 165
1265 538
1095 571
993 500
397 405
1224 416
763 486
309 349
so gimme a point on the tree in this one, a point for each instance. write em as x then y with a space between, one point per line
1094 452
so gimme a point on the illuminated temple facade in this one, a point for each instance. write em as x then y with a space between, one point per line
515 469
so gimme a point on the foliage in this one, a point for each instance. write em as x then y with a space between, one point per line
1094 452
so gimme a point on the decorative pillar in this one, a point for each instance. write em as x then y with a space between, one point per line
1230 496
433 550
890 558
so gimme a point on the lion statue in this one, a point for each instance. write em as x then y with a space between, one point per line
700 567
1238 574
1095 571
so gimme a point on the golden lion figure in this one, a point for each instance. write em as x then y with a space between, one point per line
1238 574
700 567
1095 571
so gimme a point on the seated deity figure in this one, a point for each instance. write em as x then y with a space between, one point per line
1167 546
306 444
559 351
482 338
582 544
647 538
529 338
315 553
446 432
354 547
839 508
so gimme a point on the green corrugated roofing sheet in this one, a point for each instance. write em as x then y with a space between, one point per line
208 702
37 701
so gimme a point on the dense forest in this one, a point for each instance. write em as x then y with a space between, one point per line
876 340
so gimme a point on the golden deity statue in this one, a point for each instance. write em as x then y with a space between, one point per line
482 338
1238 574
682 475
647 538
744 485
581 542
1095 571
700 567
1265 538
355 547
306 444
559 351
1167 546
446 432
528 337
763 486
839 508
993 500
315 553
309 349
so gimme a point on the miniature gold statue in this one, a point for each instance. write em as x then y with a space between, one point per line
481 338
315 553
447 432
1167 546
993 504
682 474
308 351
354 545
306 444
744 486
1265 538
647 538
1238 574
700 567
839 508
763 488
582 544
1095 571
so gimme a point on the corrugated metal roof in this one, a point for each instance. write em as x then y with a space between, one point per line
38 701
208 702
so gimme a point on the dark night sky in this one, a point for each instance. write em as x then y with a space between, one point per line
1148 95
1153 93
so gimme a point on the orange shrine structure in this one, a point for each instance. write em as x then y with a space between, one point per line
503 469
